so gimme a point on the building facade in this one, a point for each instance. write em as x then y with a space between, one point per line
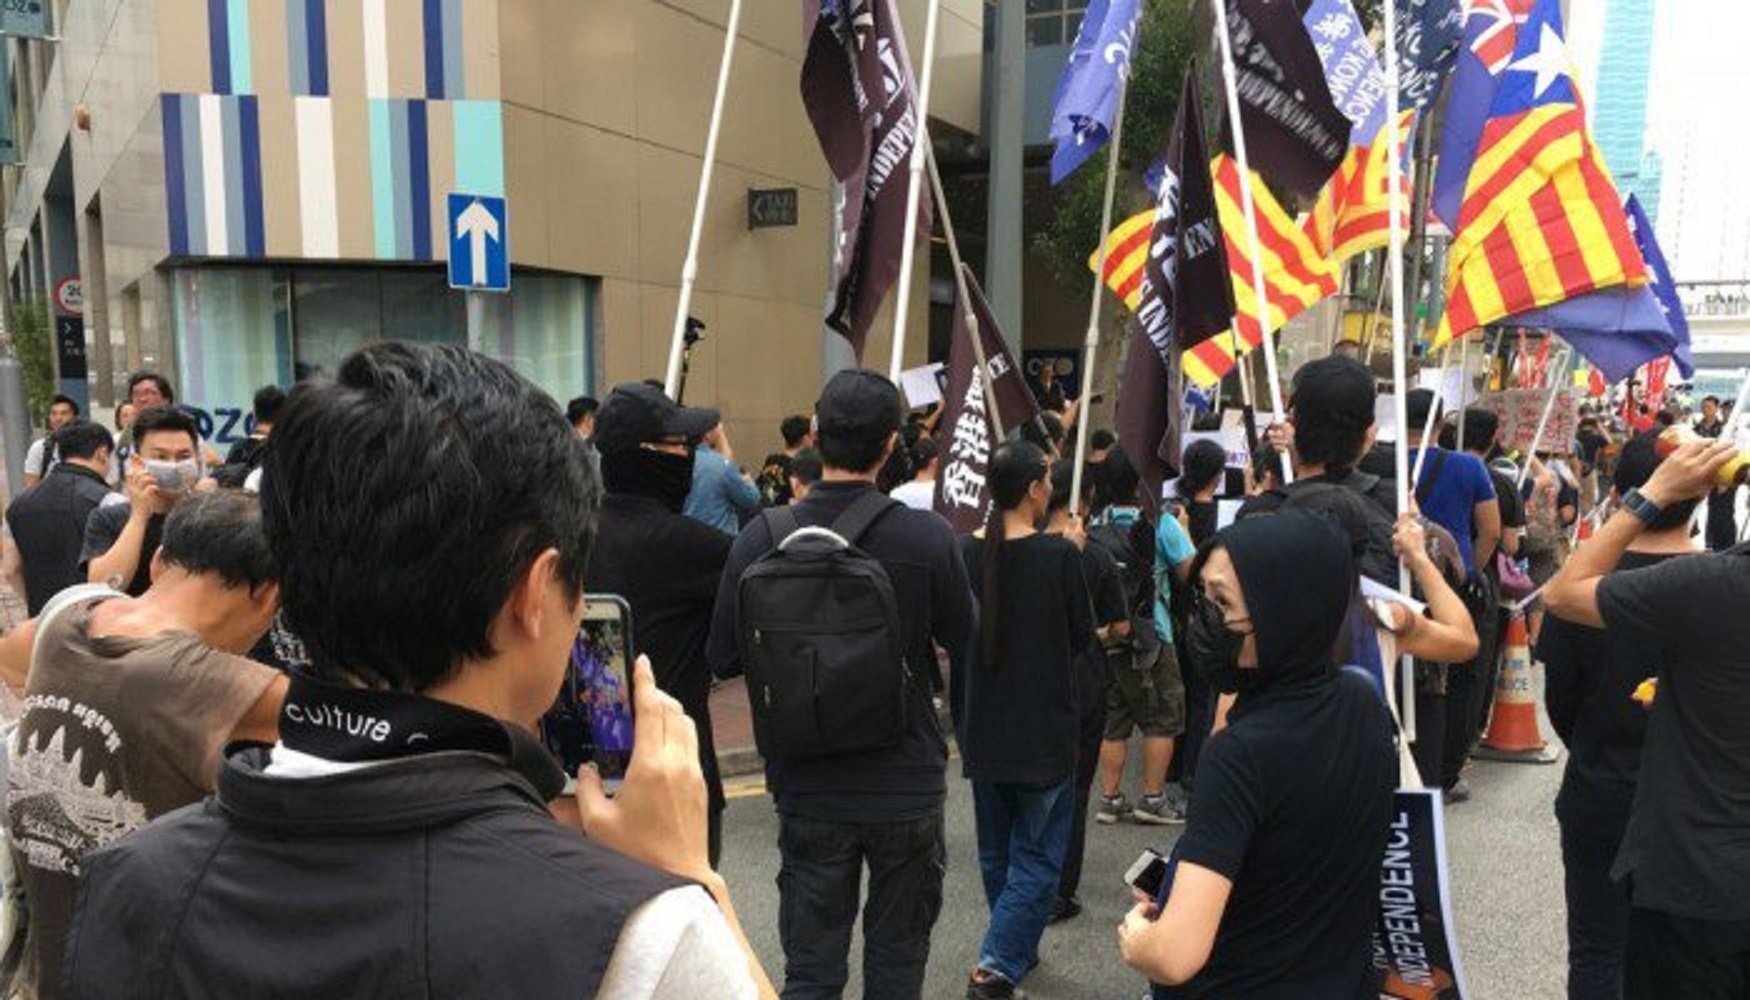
247 190
1619 116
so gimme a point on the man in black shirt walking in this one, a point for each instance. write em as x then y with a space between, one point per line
880 809
665 564
1592 677
48 521
1684 856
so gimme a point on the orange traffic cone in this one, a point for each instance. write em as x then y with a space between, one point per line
1513 733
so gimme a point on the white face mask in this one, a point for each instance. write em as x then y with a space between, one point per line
174 477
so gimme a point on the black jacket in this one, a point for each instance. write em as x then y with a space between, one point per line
434 876
48 525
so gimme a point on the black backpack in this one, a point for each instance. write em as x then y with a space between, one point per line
821 640
1133 548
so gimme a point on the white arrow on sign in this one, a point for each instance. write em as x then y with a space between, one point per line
477 225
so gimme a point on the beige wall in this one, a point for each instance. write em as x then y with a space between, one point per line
606 108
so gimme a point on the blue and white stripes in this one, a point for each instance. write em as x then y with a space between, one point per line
443 50
228 46
400 180
307 47
212 167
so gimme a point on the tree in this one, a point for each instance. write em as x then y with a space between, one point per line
32 345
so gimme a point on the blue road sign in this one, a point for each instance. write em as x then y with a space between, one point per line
479 243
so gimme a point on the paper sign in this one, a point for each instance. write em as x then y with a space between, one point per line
1225 512
920 385
1415 943
1373 590
1520 410
1455 389
1385 417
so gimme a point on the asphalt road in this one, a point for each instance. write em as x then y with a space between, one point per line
1505 871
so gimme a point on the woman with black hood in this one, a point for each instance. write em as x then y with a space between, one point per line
1275 888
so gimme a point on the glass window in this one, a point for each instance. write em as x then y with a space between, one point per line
1054 22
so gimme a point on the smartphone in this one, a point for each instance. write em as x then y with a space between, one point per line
591 721
1147 874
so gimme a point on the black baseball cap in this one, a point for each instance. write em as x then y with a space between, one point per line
859 404
635 413
1333 389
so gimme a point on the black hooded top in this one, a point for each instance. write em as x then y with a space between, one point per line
1294 798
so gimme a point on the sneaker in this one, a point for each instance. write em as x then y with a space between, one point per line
1112 809
1158 810
1066 908
986 985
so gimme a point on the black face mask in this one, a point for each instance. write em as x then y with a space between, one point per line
1216 648
641 472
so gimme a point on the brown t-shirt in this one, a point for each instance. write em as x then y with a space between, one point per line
116 731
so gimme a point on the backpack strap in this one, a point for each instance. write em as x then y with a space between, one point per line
1426 486
781 522
862 514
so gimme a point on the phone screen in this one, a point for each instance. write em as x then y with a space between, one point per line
1146 875
591 721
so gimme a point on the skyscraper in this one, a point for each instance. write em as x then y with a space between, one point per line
1619 117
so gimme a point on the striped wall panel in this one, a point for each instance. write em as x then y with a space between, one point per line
212 167
307 46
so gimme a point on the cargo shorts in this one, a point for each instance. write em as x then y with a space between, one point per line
1147 693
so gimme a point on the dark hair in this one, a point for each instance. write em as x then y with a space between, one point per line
1332 410
1204 462
81 439
1480 426
806 467
924 451
1054 431
1102 439
858 450
1120 478
1665 419
268 401
152 419
1634 466
1711 398
59 398
1267 461
1416 406
1062 482
400 548
795 429
579 408
156 379
1014 468
219 532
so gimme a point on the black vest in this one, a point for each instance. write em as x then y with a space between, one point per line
48 525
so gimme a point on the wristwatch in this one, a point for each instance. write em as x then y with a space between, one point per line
1636 503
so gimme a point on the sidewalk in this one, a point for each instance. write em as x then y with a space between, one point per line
732 728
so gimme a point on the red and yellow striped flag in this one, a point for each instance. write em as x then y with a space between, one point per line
1353 213
1126 253
1296 273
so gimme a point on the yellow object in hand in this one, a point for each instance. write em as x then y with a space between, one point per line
1646 691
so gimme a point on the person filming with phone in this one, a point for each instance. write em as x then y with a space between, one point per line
165 467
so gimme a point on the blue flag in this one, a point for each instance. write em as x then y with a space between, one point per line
1351 69
1429 32
1660 284
1093 78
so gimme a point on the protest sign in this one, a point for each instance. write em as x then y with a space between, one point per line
1415 946
1520 410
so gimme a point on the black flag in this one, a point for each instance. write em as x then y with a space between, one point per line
857 87
966 431
1150 400
1187 295
1296 136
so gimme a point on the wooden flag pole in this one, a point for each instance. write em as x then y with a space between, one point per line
964 297
914 187
1266 341
690 269
1091 343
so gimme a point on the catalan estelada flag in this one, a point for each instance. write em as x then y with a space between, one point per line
1353 213
1540 221
1296 273
1126 253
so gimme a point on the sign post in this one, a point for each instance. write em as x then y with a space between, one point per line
479 232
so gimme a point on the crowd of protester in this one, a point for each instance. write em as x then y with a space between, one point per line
304 679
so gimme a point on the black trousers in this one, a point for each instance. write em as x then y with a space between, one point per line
1466 691
1087 763
1429 747
820 879
1670 956
1598 913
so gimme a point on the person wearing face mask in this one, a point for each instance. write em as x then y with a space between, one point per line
123 533
1020 724
1274 892
665 564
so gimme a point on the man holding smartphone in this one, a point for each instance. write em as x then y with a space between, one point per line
121 536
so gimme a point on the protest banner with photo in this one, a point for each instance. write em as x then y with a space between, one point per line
1520 410
1415 946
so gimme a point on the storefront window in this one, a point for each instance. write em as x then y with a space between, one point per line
239 328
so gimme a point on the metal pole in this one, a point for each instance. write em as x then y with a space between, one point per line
476 319
965 300
1549 407
690 269
1091 343
14 423
1266 341
914 188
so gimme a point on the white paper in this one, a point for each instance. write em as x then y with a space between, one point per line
1225 512
1454 388
920 385
1385 417
1374 590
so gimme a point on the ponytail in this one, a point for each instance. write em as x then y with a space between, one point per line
990 637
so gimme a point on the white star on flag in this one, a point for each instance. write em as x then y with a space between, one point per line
1549 62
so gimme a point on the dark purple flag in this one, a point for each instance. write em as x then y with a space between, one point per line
966 431
1296 136
1150 398
1187 294
857 87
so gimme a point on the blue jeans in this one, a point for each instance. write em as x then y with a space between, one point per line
1023 834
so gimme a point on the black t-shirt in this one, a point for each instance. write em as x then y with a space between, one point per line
1688 842
1591 676
1507 495
101 531
1204 516
1293 804
1022 714
1105 580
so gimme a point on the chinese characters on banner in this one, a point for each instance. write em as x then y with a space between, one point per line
1520 410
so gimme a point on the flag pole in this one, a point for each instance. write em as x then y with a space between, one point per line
690 269
1549 407
914 187
1463 385
962 295
1266 341
1731 426
1428 421
1091 343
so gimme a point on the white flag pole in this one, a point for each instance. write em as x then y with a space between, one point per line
1091 344
965 298
1738 417
919 150
1433 411
690 269
1464 384
1394 190
1266 340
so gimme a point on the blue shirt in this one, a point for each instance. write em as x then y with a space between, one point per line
1452 495
1172 548
720 494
